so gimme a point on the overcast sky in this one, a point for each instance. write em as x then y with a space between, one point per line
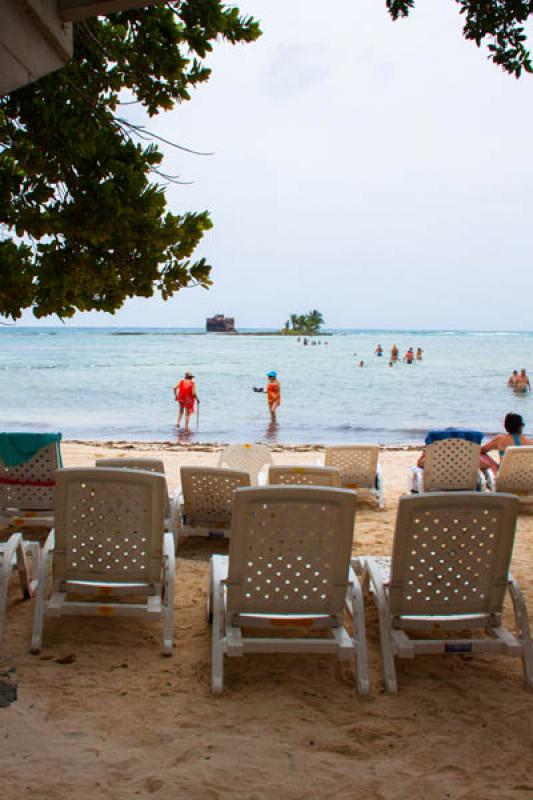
380 172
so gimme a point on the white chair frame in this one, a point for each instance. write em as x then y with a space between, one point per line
251 458
295 533
450 465
13 555
359 467
449 571
172 501
515 474
108 540
27 500
205 505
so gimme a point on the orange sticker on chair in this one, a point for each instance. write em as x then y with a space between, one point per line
105 611
291 623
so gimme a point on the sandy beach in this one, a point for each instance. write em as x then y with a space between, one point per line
100 713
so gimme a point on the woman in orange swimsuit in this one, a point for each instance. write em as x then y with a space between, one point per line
185 394
273 393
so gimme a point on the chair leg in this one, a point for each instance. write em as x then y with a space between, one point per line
389 667
358 622
217 651
522 624
40 601
168 611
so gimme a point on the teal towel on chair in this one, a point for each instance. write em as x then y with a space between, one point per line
17 448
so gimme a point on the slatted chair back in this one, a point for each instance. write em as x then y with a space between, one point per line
290 550
145 464
451 554
249 458
109 525
305 476
451 465
357 463
30 485
515 474
208 494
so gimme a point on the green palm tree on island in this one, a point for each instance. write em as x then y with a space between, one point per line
304 324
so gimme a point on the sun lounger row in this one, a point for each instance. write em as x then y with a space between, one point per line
289 566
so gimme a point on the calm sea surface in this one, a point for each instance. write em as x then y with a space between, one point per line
117 384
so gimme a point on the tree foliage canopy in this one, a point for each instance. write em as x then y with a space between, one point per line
82 223
500 22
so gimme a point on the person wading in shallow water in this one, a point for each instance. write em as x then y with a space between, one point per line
185 394
273 393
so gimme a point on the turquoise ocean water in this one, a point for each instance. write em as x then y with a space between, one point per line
117 384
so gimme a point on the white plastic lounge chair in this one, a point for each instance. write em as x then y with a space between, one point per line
207 500
515 475
305 476
108 541
13 554
251 458
449 571
288 567
149 465
27 490
450 465
359 467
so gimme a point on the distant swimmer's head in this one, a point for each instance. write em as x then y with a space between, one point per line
513 423
272 374
189 376
522 372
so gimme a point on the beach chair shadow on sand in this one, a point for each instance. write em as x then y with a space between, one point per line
251 458
359 468
206 502
288 568
108 542
307 475
515 475
449 572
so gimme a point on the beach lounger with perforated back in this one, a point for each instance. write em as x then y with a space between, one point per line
288 569
359 468
108 543
207 500
449 572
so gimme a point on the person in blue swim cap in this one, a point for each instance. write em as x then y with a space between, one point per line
273 393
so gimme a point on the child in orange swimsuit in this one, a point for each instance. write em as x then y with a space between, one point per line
273 393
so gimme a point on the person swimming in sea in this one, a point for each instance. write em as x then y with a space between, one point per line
419 352
513 379
379 351
522 385
394 353
409 357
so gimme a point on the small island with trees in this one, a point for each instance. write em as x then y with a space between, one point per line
309 324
